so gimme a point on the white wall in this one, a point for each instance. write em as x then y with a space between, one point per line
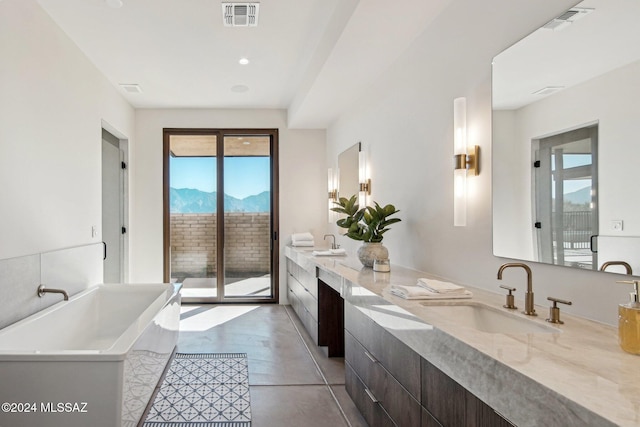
303 172
406 126
52 103
513 221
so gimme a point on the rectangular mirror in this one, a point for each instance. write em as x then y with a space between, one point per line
565 129
348 164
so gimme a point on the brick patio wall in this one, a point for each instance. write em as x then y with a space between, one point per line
193 244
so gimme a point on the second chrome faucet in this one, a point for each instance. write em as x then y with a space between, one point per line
529 308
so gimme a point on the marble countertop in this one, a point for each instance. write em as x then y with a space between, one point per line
578 376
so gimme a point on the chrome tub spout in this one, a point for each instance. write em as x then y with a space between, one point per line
43 290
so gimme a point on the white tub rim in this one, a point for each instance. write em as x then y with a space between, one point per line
121 346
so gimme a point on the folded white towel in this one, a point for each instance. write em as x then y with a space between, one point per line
418 292
302 237
304 243
440 287
330 252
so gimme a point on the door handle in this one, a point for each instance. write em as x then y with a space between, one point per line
104 252
593 239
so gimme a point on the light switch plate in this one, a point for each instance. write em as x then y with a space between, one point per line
616 225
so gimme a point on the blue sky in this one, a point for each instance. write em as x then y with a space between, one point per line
571 161
244 176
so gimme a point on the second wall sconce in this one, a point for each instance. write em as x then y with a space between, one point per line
333 180
363 180
466 162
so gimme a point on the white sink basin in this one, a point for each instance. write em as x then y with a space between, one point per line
486 319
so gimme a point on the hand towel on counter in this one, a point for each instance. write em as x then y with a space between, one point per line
418 292
302 239
330 252
440 287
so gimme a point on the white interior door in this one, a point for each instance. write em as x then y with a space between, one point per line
112 208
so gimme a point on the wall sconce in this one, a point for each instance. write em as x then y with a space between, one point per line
466 161
333 179
363 180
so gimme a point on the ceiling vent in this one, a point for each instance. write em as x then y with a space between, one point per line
567 18
240 14
548 90
131 87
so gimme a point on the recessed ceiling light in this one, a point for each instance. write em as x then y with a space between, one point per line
115 4
243 61
239 88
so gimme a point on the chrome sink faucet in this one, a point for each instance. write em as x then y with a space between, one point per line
333 243
529 309
43 290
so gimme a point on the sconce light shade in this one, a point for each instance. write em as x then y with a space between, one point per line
363 179
332 185
465 160
333 178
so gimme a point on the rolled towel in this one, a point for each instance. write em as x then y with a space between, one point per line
418 292
440 287
302 237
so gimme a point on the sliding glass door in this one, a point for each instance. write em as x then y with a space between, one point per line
566 198
221 214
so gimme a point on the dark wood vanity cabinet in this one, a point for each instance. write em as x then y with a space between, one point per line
447 403
314 298
389 382
303 297
382 373
330 320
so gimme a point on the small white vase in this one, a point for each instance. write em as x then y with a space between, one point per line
370 251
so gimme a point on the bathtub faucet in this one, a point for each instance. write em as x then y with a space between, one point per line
42 290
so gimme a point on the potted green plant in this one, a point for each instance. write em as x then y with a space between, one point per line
367 225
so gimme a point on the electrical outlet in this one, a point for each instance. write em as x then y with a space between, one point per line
616 225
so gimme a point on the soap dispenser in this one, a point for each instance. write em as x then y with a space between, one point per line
629 321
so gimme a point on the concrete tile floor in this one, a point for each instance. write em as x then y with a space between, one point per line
292 382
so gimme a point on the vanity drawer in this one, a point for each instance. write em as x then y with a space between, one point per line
306 279
395 356
428 420
309 323
394 398
293 300
365 400
305 297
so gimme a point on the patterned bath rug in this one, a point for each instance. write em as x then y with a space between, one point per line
203 390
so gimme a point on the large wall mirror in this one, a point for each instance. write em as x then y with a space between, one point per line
348 167
566 140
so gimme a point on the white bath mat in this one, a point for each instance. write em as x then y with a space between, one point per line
207 390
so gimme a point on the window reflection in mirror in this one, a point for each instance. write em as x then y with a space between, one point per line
566 198
579 70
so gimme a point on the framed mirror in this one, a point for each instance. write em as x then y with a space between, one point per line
348 166
565 149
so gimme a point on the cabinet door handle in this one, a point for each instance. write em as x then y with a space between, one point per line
370 356
371 396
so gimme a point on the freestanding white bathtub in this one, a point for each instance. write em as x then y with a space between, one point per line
94 360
